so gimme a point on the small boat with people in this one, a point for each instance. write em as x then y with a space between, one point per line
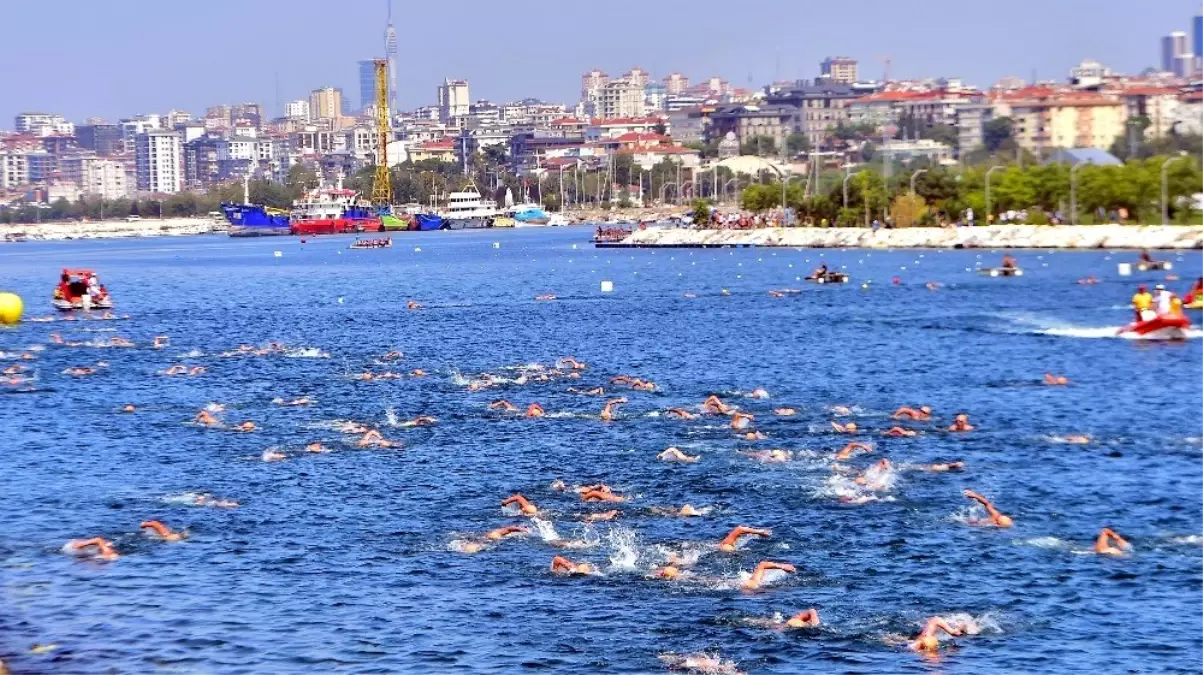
382 242
80 289
610 234
1148 264
1159 315
1158 327
1008 268
822 275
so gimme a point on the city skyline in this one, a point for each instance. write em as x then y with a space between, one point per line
87 75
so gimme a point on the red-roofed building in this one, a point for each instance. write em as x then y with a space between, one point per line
1078 119
1157 104
442 150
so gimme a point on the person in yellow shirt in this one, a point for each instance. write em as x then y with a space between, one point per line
1142 302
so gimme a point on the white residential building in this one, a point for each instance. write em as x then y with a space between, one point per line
159 157
14 169
244 147
96 176
43 124
297 110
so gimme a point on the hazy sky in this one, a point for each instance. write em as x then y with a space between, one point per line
114 58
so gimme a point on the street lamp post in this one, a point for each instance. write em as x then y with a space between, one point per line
1165 192
914 176
988 172
727 187
784 180
1073 193
664 189
846 177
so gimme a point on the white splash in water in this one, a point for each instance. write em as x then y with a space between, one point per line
390 416
624 549
306 353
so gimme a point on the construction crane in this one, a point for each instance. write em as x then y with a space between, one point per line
382 186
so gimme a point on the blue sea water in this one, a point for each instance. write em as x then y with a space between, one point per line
347 561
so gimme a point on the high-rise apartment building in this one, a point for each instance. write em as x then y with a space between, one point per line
621 98
1173 46
454 103
326 103
1185 65
159 162
14 169
840 69
591 88
102 138
247 112
638 77
95 176
675 83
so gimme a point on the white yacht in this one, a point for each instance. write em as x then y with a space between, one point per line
467 210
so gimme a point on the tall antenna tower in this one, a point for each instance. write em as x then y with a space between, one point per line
390 53
382 186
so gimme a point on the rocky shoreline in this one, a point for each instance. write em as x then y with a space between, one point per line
105 229
995 236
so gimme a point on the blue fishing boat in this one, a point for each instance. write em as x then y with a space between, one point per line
254 220
529 214
429 221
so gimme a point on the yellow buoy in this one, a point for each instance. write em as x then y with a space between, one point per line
10 308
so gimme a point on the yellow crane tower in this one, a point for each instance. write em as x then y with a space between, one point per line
382 186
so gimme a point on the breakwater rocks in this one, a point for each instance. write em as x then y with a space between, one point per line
103 229
995 236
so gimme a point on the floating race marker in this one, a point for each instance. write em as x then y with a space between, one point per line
607 286
11 307
1125 269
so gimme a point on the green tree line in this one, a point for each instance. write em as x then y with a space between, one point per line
1043 190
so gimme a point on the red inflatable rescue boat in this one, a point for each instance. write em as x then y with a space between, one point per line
1160 327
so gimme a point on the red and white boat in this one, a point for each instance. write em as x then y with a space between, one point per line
333 211
1158 327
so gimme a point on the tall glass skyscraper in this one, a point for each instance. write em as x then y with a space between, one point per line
367 83
1196 29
